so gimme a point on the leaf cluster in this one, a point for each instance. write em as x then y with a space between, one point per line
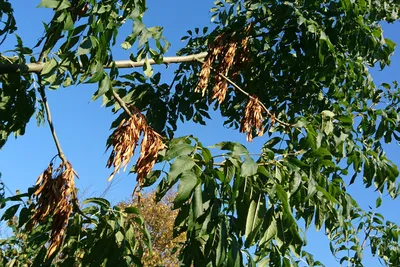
96 229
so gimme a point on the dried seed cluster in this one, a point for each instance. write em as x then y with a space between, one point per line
224 53
230 55
151 144
55 193
125 140
253 118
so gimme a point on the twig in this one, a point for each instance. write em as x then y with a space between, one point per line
122 103
367 234
247 94
50 121
42 93
173 81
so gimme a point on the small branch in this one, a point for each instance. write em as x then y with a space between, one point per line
50 121
121 64
42 93
237 87
122 103
173 81
367 234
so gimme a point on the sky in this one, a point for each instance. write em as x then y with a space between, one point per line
83 126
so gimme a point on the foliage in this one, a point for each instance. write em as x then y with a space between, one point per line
227 210
96 229
160 221
294 71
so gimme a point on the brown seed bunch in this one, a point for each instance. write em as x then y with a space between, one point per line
242 59
252 118
125 140
215 49
204 76
228 54
151 145
54 194
221 86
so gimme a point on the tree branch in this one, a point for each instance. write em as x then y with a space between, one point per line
42 93
121 103
121 64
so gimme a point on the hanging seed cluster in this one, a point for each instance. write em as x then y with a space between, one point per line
150 146
54 194
125 140
252 119
230 56
222 52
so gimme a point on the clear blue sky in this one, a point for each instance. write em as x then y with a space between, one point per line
83 126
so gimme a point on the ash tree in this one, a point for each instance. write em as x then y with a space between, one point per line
295 74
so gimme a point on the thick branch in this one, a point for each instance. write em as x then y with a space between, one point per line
122 64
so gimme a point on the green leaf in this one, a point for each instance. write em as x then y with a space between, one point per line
283 197
64 5
10 212
328 113
229 172
311 187
187 182
104 86
378 202
254 219
249 167
273 141
49 3
198 201
147 69
178 150
132 210
271 231
300 20
234 255
222 244
180 165
97 75
126 45
147 240
85 47
327 195
251 217
251 262
68 23
151 178
104 203
23 216
49 67
119 237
